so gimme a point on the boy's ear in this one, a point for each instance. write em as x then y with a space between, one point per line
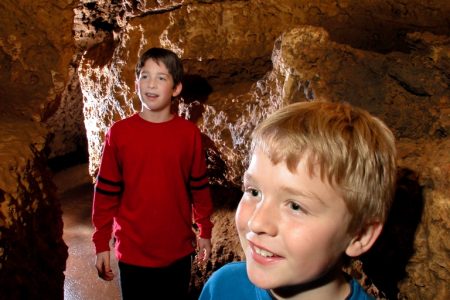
364 240
177 89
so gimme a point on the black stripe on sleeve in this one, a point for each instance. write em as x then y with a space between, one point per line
201 187
110 182
198 178
107 193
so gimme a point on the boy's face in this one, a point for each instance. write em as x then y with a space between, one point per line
155 87
292 227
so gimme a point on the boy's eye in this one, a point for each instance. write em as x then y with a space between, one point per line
143 77
162 78
252 192
296 207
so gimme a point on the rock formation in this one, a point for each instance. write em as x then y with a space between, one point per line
36 47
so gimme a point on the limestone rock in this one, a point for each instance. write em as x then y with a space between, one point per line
32 252
36 47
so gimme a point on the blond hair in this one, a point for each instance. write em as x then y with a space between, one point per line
354 151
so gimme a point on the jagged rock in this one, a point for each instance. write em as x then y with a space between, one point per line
36 47
32 251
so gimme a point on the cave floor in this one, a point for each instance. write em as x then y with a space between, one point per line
81 280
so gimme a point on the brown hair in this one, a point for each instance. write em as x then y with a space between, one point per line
355 152
167 57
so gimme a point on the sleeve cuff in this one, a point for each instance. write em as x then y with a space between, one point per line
101 246
205 230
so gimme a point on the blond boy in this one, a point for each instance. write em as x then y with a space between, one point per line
318 188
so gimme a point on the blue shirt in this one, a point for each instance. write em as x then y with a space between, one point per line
231 282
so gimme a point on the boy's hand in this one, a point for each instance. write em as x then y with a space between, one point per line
204 249
102 264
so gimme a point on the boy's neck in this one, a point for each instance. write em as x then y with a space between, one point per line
156 117
332 287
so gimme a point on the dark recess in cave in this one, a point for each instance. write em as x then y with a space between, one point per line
78 157
385 263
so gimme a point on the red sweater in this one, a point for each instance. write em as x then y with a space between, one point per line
151 184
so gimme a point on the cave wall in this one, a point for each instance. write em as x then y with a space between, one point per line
32 252
67 73
36 47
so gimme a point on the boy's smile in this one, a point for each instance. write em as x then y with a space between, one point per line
262 252
292 226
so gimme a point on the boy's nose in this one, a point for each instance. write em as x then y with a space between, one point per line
151 82
263 219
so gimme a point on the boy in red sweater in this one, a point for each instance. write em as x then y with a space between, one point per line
151 183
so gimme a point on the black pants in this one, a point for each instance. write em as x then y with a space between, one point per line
171 282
